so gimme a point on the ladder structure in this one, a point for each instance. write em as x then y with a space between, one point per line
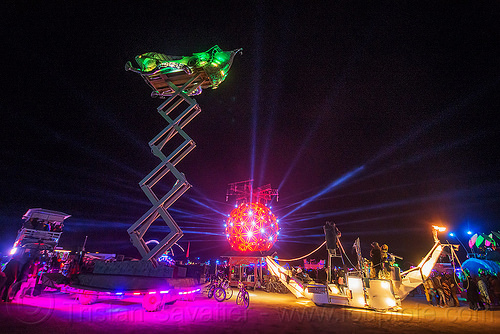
177 78
167 165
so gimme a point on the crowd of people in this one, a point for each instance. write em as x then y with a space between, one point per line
442 289
41 225
23 266
483 290
381 261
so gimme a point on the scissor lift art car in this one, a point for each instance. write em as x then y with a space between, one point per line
176 79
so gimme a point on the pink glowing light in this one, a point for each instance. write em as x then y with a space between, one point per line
251 227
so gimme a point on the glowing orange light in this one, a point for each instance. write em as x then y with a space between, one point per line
439 228
251 227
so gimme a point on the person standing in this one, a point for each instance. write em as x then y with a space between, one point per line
376 257
473 294
482 284
430 292
11 272
436 280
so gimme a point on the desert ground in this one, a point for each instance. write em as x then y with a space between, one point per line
56 312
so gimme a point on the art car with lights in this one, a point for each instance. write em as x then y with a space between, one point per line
359 287
176 78
163 73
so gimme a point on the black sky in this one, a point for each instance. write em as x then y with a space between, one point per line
410 93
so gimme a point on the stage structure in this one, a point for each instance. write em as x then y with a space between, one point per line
177 78
251 226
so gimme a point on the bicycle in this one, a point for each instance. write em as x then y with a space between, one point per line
227 288
220 289
274 285
243 297
214 282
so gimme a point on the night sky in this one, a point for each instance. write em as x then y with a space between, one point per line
380 116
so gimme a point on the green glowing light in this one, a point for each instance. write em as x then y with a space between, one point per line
214 62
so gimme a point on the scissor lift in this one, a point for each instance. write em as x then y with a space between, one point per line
179 81
167 164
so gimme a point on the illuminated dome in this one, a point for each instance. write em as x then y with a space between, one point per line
251 227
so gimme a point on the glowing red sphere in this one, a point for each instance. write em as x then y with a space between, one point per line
251 227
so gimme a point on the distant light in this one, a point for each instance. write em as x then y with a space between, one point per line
262 231
439 228
13 251
452 234
469 232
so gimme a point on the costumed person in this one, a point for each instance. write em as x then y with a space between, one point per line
473 293
440 297
375 256
383 252
22 277
386 262
430 292
482 284
452 281
495 288
446 286
11 272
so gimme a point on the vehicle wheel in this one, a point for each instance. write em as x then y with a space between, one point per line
87 298
220 294
239 298
211 291
152 303
246 299
229 293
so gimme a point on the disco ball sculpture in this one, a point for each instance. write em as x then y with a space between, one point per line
251 227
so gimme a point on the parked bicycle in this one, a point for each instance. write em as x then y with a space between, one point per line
243 297
227 288
219 288
274 285
214 282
